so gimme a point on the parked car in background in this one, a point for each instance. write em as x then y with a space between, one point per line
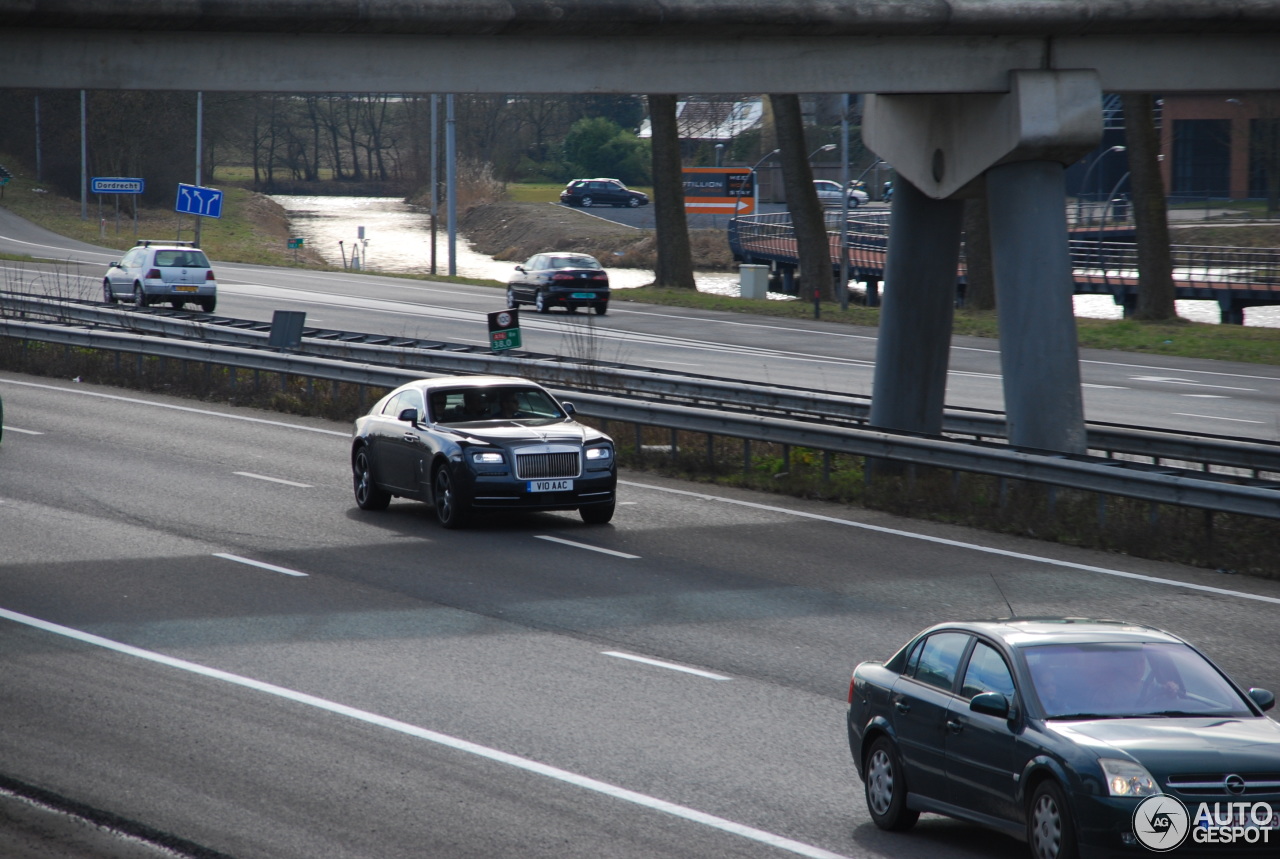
1081 737
601 192
468 443
155 271
829 194
565 280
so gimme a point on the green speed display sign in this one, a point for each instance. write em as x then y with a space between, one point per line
504 329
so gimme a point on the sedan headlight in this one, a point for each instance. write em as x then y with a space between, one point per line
486 457
1126 778
599 454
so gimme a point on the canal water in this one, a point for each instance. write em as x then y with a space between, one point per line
397 238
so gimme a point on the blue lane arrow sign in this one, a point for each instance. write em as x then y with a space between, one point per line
116 185
195 200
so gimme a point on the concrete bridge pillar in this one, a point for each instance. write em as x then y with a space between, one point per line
946 147
914 344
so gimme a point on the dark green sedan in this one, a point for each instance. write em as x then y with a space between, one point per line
1082 737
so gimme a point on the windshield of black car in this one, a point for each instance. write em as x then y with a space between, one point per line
497 404
1129 679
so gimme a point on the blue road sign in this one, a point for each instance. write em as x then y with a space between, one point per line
195 200
117 185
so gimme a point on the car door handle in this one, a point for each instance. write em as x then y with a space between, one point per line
411 438
902 707
955 726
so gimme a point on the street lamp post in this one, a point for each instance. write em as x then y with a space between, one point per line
1084 183
719 153
755 186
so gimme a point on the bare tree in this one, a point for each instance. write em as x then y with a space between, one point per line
980 288
1150 210
674 266
802 198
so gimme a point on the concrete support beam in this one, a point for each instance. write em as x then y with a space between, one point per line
914 344
1031 260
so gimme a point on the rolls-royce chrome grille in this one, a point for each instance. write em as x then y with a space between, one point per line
548 462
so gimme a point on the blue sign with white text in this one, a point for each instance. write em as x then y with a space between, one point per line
195 200
117 185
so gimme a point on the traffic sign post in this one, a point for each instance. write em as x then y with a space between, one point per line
504 330
117 185
296 243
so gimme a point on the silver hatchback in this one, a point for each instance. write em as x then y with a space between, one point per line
154 271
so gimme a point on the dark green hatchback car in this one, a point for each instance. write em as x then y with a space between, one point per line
1081 737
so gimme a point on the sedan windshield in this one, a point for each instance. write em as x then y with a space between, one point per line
1121 680
528 406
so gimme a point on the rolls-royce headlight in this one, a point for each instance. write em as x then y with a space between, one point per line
599 453
1127 778
486 457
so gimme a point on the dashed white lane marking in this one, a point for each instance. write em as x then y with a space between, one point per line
669 665
584 546
271 479
23 431
1216 418
759 836
272 567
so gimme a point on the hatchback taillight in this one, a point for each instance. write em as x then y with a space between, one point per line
154 274
208 275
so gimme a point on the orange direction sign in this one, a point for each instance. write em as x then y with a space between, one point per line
719 190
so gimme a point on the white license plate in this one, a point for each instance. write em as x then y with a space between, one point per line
550 485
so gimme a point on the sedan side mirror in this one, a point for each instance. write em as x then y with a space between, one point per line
1264 699
519 268
569 409
409 416
990 704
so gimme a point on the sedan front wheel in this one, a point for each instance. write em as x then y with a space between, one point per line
511 298
1049 829
449 508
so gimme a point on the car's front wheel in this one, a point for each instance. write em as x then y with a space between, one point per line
1049 829
369 496
886 787
511 298
107 294
597 514
634 202
449 509
540 303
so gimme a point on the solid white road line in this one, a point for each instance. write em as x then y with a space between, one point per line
272 567
1216 418
271 479
584 546
683 812
1022 556
671 665
23 431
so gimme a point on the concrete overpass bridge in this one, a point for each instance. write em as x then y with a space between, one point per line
964 94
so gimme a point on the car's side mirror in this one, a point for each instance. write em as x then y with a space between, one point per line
1264 699
569 409
409 416
115 264
519 268
990 704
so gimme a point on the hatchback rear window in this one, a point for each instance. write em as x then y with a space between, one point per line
181 259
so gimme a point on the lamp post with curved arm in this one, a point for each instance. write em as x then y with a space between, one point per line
1084 183
755 186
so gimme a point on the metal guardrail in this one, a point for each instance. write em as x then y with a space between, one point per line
435 357
1161 486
